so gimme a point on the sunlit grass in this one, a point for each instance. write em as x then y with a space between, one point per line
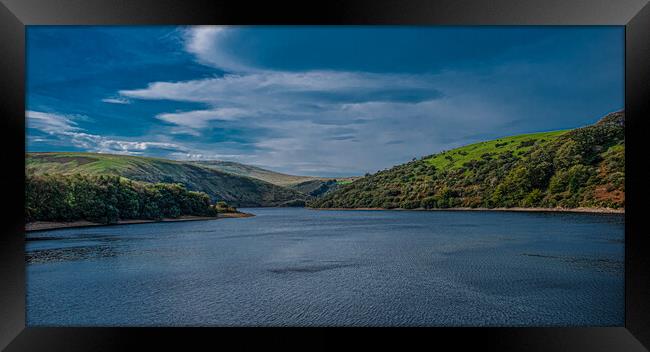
520 144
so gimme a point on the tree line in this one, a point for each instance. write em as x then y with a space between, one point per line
107 198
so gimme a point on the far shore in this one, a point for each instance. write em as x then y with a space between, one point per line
52 225
517 209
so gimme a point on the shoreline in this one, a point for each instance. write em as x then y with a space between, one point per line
55 225
514 209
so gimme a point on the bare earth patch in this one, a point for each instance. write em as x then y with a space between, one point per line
616 196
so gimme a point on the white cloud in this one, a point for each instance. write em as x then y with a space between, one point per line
117 100
260 96
205 42
200 118
101 144
50 122
205 155
271 86
65 128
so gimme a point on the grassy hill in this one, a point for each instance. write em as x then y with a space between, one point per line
584 167
518 145
234 189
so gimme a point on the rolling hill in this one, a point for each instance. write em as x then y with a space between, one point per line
584 167
237 190
309 185
269 176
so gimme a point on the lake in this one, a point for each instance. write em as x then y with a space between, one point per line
296 267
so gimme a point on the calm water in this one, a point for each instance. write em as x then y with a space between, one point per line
289 266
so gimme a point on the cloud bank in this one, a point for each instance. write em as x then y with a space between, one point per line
318 121
65 128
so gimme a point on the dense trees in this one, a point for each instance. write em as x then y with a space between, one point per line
108 198
581 168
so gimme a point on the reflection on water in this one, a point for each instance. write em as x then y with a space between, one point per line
289 266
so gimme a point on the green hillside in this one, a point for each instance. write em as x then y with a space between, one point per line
584 167
236 190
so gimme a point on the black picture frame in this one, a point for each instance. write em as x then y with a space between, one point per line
16 14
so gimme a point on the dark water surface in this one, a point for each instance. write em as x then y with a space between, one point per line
290 266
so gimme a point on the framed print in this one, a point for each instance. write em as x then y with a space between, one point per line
466 172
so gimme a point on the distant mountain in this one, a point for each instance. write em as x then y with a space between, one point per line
235 189
310 185
584 167
269 176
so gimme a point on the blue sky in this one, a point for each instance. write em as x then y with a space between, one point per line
328 101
